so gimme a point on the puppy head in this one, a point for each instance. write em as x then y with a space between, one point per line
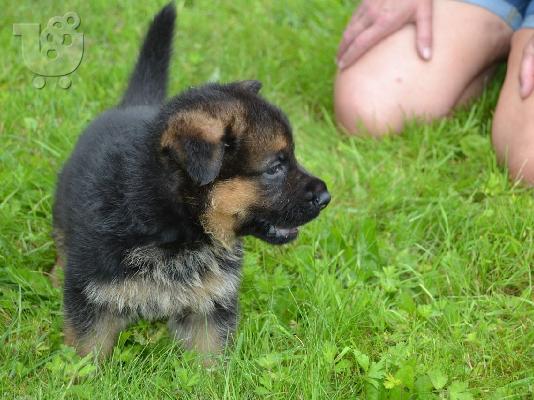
238 151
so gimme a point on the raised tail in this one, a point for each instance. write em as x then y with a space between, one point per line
148 82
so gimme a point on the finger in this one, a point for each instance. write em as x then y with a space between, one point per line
423 26
357 25
364 42
526 72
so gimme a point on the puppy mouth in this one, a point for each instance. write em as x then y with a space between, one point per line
271 233
282 235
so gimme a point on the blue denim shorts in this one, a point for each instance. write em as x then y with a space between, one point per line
516 13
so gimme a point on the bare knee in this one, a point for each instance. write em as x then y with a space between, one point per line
520 163
514 149
512 137
364 105
361 110
513 122
391 84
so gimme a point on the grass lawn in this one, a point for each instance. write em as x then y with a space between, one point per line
416 282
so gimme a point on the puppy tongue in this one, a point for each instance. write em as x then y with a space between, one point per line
274 230
290 231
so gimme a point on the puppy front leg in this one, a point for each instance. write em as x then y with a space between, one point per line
205 333
90 328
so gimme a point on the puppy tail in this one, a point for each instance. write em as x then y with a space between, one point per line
148 82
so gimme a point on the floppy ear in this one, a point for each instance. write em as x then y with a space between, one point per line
249 85
194 140
203 160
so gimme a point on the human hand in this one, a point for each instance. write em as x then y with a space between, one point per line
526 71
376 19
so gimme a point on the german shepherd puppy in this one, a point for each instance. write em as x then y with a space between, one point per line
151 206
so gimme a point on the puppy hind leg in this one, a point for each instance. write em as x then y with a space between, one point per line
59 239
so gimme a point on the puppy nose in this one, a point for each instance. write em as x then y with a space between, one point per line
322 199
318 194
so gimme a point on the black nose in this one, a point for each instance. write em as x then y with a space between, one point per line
317 194
322 199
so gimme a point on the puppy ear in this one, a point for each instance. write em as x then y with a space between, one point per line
194 140
249 85
203 160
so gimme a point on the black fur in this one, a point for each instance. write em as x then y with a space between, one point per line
129 212
203 161
148 83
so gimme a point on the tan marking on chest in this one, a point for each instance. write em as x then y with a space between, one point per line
152 293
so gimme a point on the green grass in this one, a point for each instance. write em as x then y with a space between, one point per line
415 283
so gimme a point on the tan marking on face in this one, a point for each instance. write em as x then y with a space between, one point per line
265 148
204 125
228 204
279 143
196 123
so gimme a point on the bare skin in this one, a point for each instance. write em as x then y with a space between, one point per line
467 41
513 122
376 19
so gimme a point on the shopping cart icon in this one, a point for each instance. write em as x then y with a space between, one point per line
55 52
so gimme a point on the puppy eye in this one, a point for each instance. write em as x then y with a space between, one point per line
274 169
229 139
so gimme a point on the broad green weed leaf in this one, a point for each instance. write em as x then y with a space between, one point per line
392 382
362 359
459 391
438 378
